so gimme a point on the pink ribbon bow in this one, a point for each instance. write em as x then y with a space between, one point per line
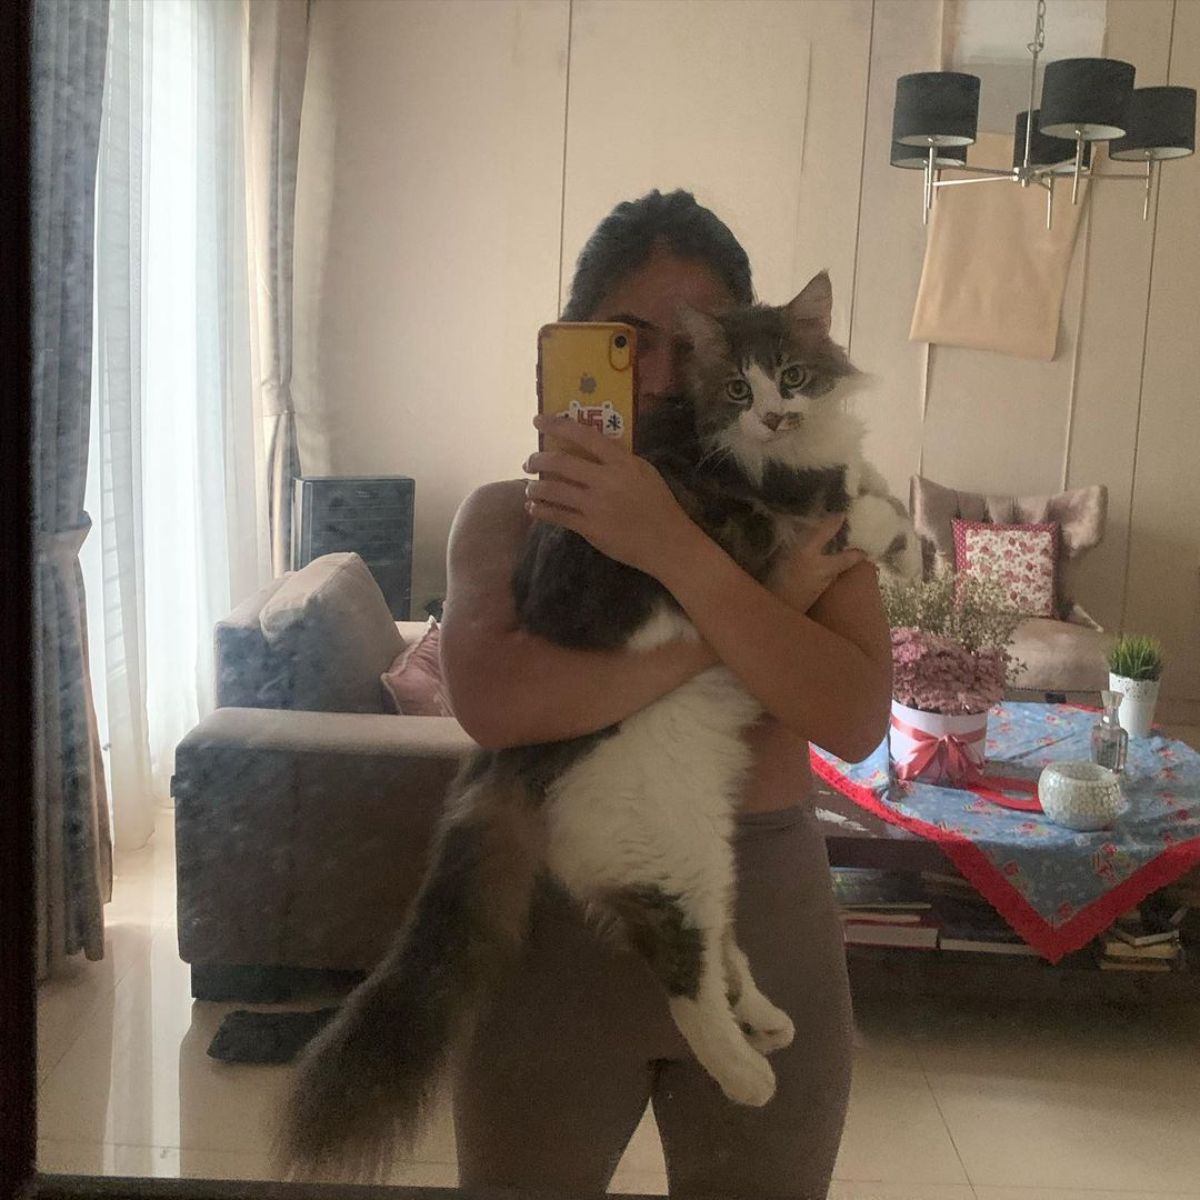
948 753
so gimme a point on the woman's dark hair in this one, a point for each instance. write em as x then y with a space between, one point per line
629 234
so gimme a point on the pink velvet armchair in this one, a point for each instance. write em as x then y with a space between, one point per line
1064 657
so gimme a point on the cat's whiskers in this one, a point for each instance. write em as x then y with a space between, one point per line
717 452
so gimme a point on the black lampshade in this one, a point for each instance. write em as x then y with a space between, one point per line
1045 151
936 108
1088 95
1160 122
914 158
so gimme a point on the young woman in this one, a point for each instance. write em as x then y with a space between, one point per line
570 1050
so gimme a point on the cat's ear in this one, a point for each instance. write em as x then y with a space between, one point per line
814 305
702 330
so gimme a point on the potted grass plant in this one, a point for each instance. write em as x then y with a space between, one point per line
951 661
1135 665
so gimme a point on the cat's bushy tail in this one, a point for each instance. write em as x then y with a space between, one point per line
363 1086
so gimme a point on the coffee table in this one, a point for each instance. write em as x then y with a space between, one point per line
857 838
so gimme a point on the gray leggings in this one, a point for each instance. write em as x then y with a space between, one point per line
579 1038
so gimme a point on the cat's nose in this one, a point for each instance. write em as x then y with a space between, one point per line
771 420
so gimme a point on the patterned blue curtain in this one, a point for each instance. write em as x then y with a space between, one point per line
73 851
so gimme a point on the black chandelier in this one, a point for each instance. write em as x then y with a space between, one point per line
1084 100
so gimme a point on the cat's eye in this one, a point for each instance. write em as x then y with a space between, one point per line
794 377
738 390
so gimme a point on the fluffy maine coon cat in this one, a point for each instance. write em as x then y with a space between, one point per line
634 821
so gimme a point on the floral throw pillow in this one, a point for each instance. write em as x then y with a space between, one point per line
412 685
1020 558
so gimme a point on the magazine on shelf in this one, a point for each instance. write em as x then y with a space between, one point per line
866 933
1130 937
1115 948
868 916
862 888
970 941
1134 964
939 879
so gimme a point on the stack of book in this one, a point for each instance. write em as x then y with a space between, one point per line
1146 938
974 927
937 883
884 908
944 910
968 922
1183 896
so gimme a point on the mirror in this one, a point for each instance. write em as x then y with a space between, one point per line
291 263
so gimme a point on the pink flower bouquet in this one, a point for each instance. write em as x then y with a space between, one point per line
950 663
950 642
937 674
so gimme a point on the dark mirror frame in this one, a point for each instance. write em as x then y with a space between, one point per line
18 1041
18 997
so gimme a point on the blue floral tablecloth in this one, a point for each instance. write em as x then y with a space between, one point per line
1057 888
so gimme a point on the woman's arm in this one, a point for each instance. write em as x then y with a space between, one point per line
814 651
825 674
512 688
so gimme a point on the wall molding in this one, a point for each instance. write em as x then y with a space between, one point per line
1137 429
562 208
861 182
1072 387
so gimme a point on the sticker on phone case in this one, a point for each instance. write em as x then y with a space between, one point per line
598 416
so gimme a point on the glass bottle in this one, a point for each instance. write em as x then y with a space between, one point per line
1109 741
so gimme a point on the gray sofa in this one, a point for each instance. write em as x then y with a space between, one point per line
303 810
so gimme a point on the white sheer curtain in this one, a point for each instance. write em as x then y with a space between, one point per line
175 489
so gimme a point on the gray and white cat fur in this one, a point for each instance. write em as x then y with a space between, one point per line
634 821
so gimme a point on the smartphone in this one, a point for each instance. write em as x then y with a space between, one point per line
588 371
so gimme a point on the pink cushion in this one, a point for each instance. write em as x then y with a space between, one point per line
1021 558
412 685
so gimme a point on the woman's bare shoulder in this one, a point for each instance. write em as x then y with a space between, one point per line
485 539
489 510
503 494
502 491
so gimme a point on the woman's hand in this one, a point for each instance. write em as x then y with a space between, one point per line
805 571
616 500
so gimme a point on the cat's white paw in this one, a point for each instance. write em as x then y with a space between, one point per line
766 1027
770 1031
747 1078
884 533
665 624
908 562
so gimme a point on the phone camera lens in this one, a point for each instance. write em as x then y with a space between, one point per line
621 341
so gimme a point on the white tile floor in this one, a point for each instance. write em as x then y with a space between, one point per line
951 1100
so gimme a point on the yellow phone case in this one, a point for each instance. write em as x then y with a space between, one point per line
588 371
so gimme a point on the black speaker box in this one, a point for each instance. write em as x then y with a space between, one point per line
371 515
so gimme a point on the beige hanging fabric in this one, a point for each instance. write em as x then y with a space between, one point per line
277 55
994 275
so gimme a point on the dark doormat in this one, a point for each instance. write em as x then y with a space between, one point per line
266 1037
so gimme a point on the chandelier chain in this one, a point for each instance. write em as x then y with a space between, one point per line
1039 36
